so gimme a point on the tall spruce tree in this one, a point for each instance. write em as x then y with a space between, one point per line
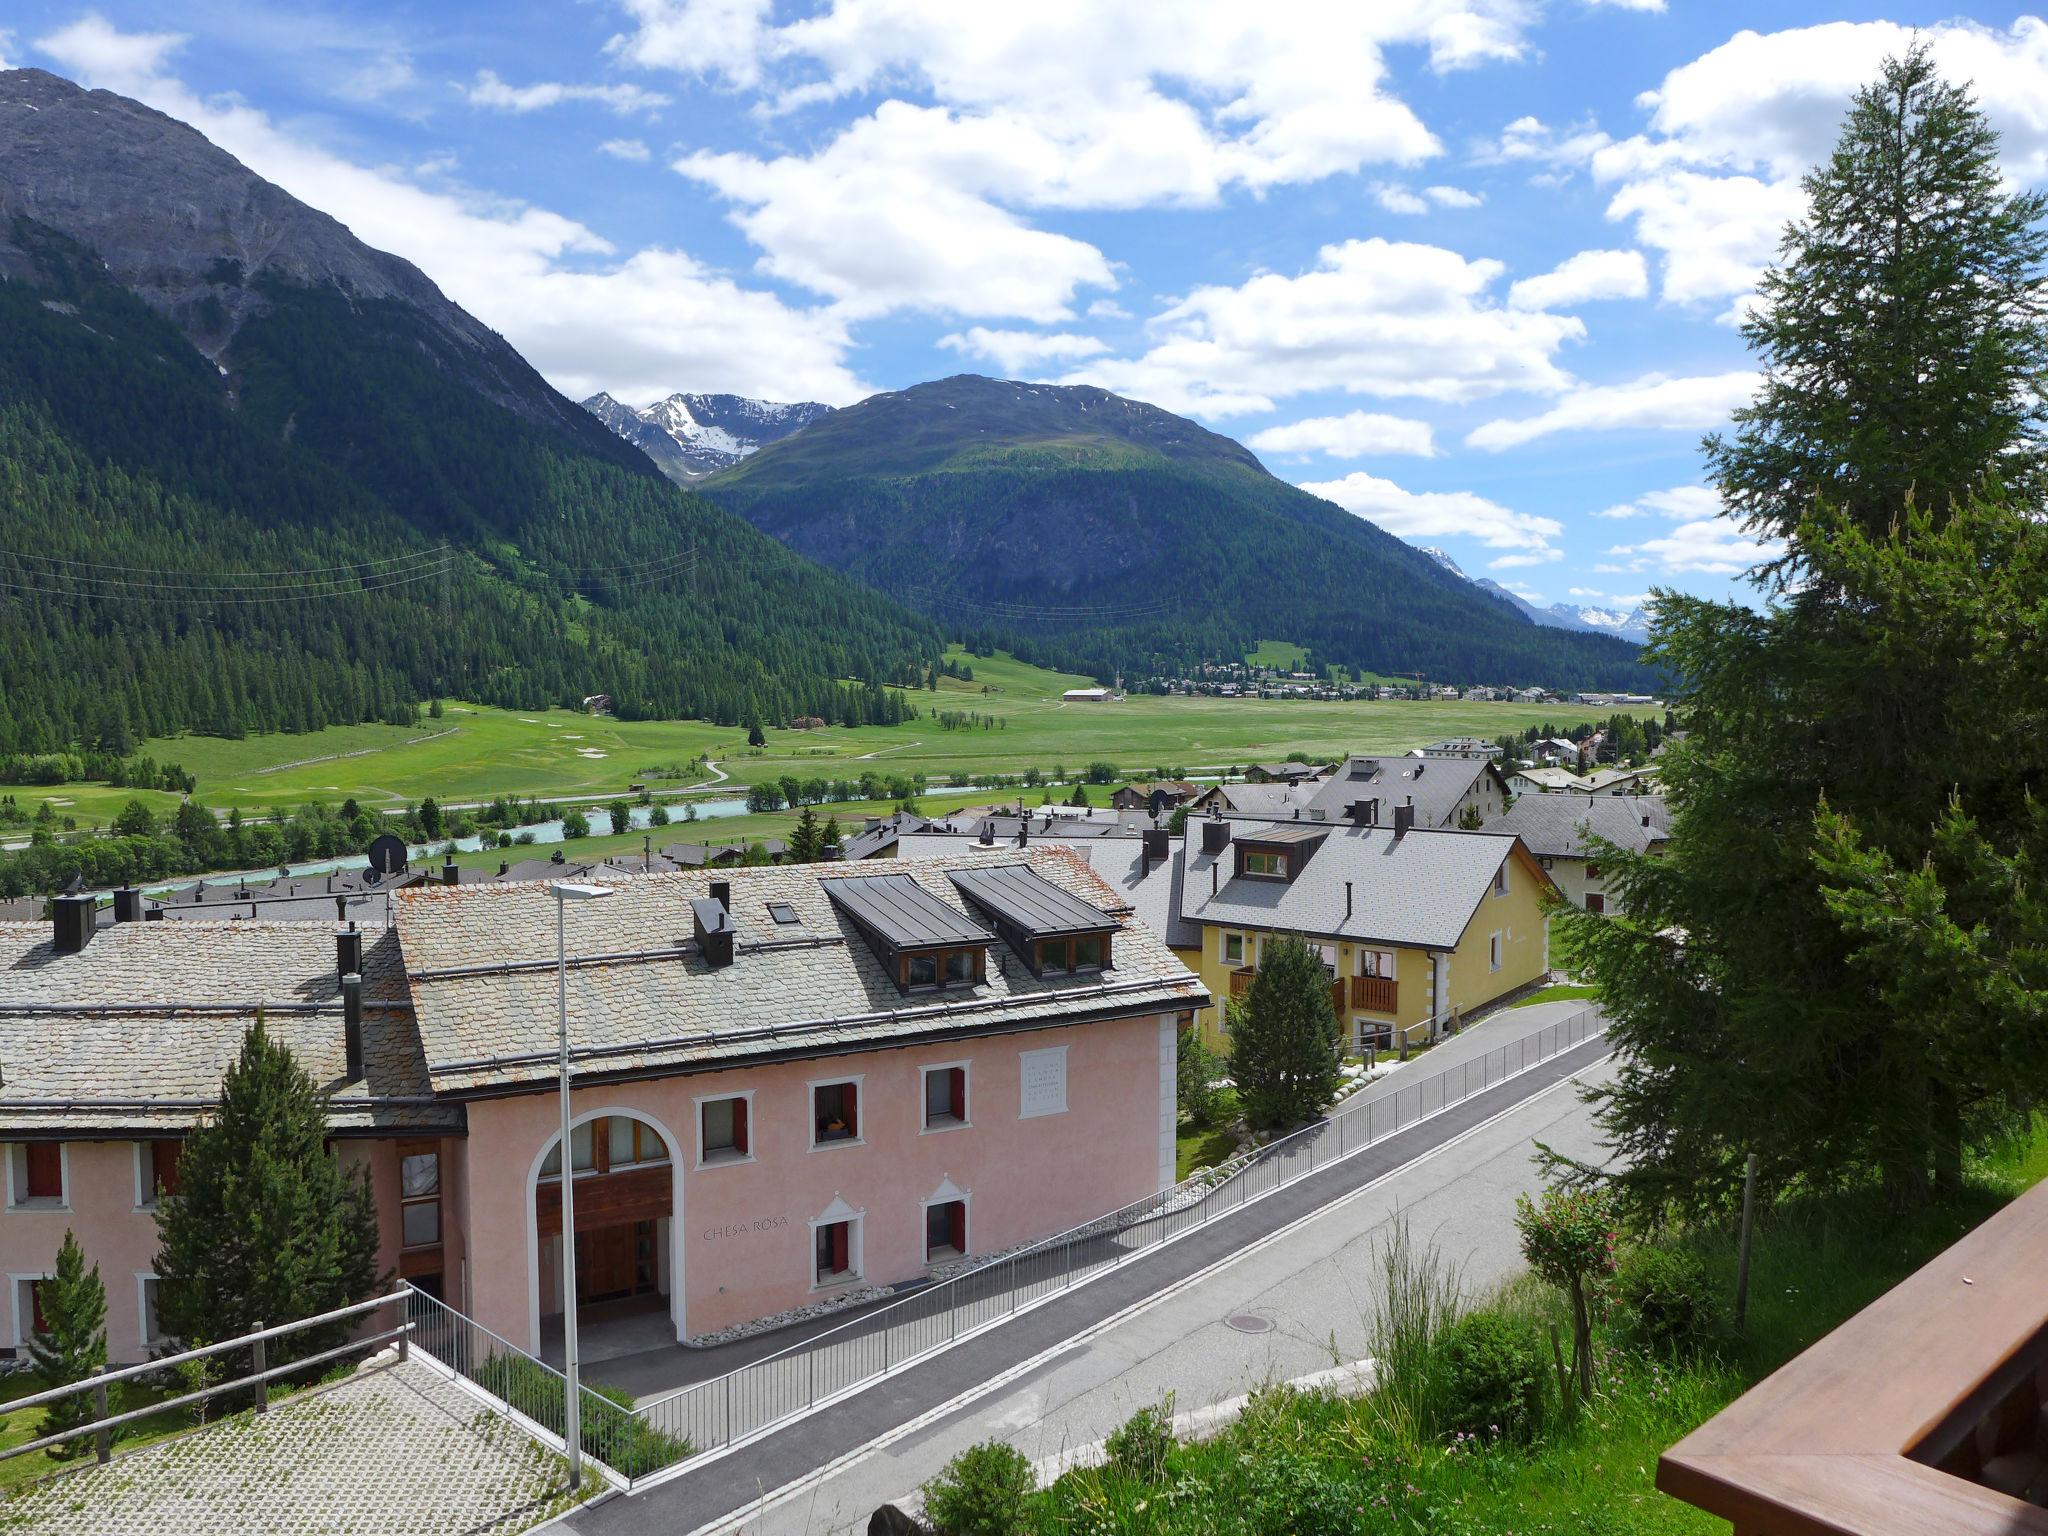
1828 964
1283 1041
72 1343
1901 333
266 1226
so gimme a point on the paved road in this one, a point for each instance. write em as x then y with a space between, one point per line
723 1490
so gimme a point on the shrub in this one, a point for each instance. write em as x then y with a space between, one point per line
1140 1449
1667 1299
981 1492
611 1432
1491 1377
1196 1070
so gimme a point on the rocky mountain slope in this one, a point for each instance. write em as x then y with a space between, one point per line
691 436
1630 624
1111 536
260 476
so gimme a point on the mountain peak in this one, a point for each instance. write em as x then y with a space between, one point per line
691 435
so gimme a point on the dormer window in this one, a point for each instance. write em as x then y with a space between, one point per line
943 968
1056 932
1262 865
922 943
1082 952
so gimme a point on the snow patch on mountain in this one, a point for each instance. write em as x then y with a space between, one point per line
691 436
1631 624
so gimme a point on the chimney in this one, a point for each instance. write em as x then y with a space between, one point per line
352 1023
1419 767
713 921
1215 836
450 875
556 857
1214 878
1023 830
348 951
127 904
1155 849
1404 819
1646 821
1347 901
75 916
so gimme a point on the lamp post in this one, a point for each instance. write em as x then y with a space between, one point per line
572 1417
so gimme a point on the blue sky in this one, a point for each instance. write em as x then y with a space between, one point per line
1470 268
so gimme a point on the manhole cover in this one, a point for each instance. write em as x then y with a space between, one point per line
1249 1322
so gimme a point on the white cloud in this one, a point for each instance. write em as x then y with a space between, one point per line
1015 352
6 42
635 150
640 325
1107 309
1532 557
1529 140
1707 547
118 61
1452 197
1578 279
624 100
1653 401
1714 179
1628 5
1350 436
1440 514
384 73
991 113
1681 504
1396 198
1372 317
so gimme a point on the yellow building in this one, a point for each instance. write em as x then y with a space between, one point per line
1415 925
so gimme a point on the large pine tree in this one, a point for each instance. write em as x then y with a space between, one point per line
1283 1042
72 1343
266 1226
1776 984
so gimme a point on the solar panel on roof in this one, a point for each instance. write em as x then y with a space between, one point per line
902 913
1024 898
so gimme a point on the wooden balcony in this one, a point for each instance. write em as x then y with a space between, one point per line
1241 980
1925 1413
1376 993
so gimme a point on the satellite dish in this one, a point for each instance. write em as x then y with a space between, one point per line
387 854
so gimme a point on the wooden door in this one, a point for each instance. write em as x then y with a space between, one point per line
604 1263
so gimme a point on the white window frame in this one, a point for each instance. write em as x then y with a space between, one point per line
15 1281
859 1138
1500 879
145 1185
17 1168
1391 973
1228 957
856 1242
966 1120
723 1159
144 1279
1059 1051
1496 951
946 1194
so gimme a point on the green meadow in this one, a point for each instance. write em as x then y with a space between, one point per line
473 752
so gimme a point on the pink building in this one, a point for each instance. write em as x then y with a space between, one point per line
789 1084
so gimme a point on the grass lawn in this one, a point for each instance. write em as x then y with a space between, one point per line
1334 1465
18 1428
1200 1147
1562 993
474 752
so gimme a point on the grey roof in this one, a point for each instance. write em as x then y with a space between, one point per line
1282 832
131 1034
1556 826
1434 785
1417 890
1263 799
1021 896
1153 890
870 841
902 913
641 1001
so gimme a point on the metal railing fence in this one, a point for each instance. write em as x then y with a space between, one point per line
728 1409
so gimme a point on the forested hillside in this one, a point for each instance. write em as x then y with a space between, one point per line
1084 530
336 523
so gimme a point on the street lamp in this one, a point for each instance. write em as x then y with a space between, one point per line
572 1417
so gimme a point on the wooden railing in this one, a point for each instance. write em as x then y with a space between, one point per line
1377 993
1241 980
1921 1414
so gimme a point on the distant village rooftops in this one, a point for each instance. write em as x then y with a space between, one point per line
1558 826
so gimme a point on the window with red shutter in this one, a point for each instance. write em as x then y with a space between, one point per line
739 1126
842 1248
852 1102
43 1177
163 1165
957 1090
956 1224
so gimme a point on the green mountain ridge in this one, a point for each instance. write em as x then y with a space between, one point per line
1084 530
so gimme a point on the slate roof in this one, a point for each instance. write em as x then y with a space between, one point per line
1549 779
130 1036
1419 890
1153 891
1434 785
902 913
1263 799
1020 895
1557 826
872 841
642 1001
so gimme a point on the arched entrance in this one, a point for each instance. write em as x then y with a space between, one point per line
628 1194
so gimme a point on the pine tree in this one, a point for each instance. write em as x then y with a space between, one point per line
1283 1039
1829 965
1902 333
72 1342
266 1226
807 842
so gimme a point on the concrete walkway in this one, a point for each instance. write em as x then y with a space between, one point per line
395 1450
724 1489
